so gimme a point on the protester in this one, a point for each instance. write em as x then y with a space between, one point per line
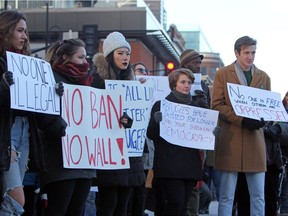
191 59
66 189
18 128
276 137
241 144
136 205
177 169
205 198
284 186
115 186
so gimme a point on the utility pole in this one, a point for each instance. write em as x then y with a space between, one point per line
47 27
5 4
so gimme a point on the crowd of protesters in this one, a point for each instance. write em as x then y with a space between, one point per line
246 168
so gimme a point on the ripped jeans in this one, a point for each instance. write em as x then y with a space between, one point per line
14 176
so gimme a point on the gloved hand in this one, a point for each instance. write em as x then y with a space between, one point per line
7 79
126 121
199 92
252 124
63 127
272 131
158 116
216 131
59 88
200 99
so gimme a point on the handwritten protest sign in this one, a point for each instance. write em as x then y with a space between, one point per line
34 85
188 126
256 103
137 103
94 137
197 84
160 85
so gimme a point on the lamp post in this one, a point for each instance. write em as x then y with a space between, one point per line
5 4
47 41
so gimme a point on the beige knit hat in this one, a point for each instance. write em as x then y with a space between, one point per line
189 55
114 41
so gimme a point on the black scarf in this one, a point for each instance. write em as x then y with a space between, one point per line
182 98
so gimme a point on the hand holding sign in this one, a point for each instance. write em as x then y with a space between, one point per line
59 89
126 121
200 99
7 79
216 131
158 116
252 124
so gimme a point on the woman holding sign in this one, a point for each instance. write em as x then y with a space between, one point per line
115 186
66 189
177 169
18 129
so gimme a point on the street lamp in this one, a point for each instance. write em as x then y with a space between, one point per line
5 4
47 27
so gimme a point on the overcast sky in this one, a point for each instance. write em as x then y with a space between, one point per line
224 21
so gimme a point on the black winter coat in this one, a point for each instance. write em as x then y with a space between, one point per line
53 148
277 146
173 161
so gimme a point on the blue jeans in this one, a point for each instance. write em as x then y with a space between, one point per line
14 176
90 205
255 183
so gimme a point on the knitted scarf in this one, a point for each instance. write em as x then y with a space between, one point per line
182 98
78 72
240 74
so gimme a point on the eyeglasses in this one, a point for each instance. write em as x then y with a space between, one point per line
142 70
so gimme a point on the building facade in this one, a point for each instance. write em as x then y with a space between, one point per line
143 23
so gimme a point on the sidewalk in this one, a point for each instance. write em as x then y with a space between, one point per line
213 208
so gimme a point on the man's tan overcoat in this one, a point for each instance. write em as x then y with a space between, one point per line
238 149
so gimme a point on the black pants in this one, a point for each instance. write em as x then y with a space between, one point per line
205 197
136 205
173 194
242 197
67 197
113 201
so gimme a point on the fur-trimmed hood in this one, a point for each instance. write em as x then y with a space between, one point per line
101 66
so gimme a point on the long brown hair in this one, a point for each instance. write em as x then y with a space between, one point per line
8 22
56 51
